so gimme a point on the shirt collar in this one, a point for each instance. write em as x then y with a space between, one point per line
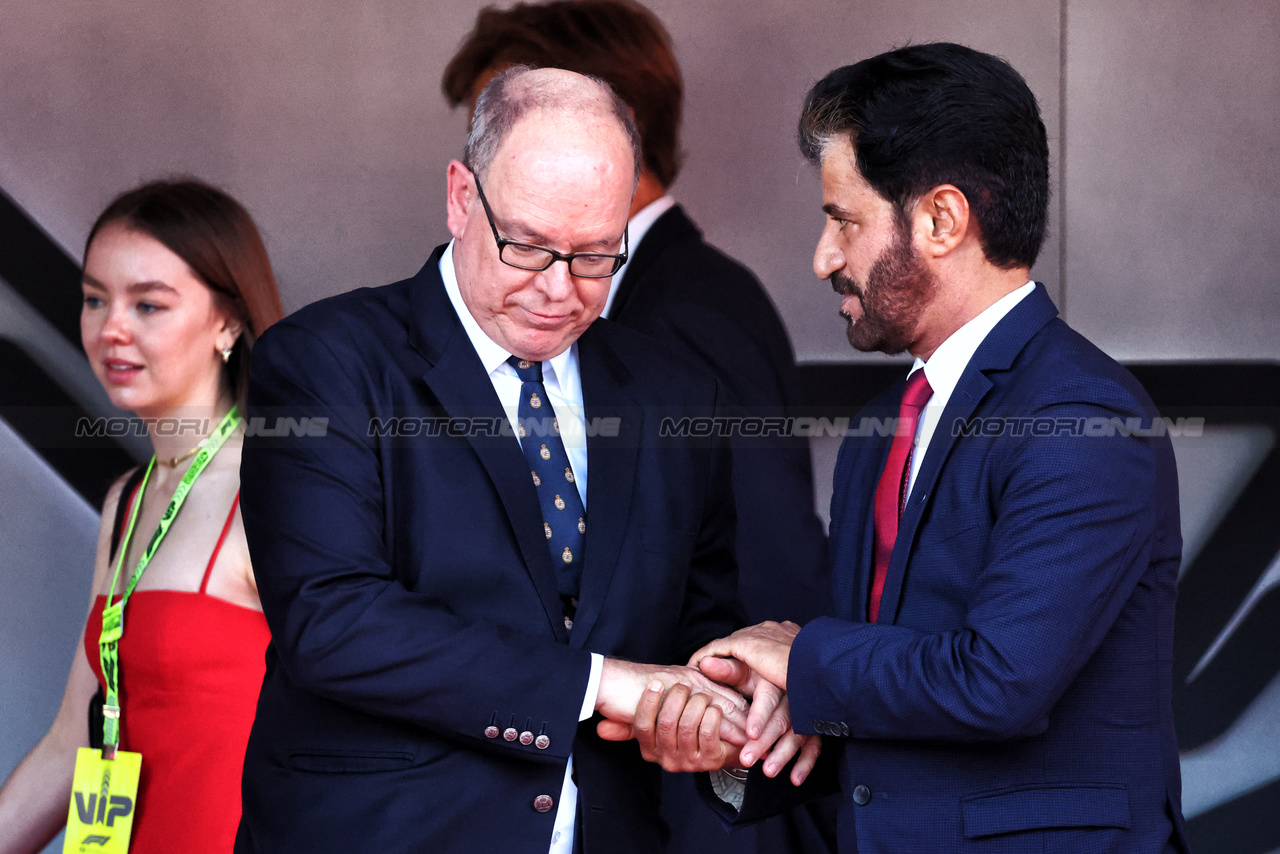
560 370
637 227
948 362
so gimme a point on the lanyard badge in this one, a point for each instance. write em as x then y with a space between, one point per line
104 793
105 787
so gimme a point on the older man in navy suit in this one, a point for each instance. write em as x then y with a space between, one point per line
995 673
492 529
714 312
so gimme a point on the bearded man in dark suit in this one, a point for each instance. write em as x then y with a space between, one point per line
996 670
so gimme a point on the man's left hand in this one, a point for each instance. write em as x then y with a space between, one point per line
680 731
764 648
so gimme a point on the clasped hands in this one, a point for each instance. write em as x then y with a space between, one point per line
726 709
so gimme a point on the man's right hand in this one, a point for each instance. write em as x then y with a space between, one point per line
679 730
623 685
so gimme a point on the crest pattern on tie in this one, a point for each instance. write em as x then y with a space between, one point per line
563 516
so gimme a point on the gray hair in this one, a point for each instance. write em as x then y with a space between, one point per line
511 95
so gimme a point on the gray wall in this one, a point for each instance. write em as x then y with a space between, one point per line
326 119
1172 162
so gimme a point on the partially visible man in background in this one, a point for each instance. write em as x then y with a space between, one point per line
705 306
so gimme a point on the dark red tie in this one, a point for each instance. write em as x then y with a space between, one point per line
891 491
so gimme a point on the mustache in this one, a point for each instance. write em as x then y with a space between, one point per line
844 285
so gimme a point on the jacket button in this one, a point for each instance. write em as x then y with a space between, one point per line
543 803
861 795
844 729
526 738
542 742
819 726
510 733
491 732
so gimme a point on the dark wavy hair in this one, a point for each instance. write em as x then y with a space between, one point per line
218 240
618 41
932 114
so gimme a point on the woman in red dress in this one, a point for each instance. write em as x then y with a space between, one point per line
177 286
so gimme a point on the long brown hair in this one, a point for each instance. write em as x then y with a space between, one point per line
218 240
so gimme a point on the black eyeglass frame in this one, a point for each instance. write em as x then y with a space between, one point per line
503 243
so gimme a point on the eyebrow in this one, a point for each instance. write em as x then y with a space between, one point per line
532 237
527 235
535 238
836 212
133 287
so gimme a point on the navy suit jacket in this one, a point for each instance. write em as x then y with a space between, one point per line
708 307
1015 695
411 595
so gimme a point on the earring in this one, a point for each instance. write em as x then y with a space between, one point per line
226 355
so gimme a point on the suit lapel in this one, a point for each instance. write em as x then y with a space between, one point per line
853 543
611 471
996 353
670 228
459 382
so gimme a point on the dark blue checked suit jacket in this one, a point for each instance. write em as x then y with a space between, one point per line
1015 695
410 593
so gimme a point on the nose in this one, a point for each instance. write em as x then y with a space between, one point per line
115 327
827 257
555 281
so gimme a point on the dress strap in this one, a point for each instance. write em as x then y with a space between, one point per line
213 558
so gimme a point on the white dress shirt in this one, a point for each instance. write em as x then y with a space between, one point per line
948 362
563 381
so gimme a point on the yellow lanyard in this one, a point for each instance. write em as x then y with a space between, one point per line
113 614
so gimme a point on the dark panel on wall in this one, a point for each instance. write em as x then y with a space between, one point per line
39 410
840 390
39 270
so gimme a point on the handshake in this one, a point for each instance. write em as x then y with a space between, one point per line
727 709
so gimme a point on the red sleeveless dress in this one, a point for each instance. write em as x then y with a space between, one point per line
191 666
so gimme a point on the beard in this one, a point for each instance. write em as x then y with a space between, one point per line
898 289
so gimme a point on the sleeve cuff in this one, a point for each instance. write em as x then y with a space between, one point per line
593 687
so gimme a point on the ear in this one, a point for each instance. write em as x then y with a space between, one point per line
941 220
460 194
229 334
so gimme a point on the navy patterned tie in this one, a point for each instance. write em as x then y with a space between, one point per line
564 520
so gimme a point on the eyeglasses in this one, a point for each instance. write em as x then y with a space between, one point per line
526 256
